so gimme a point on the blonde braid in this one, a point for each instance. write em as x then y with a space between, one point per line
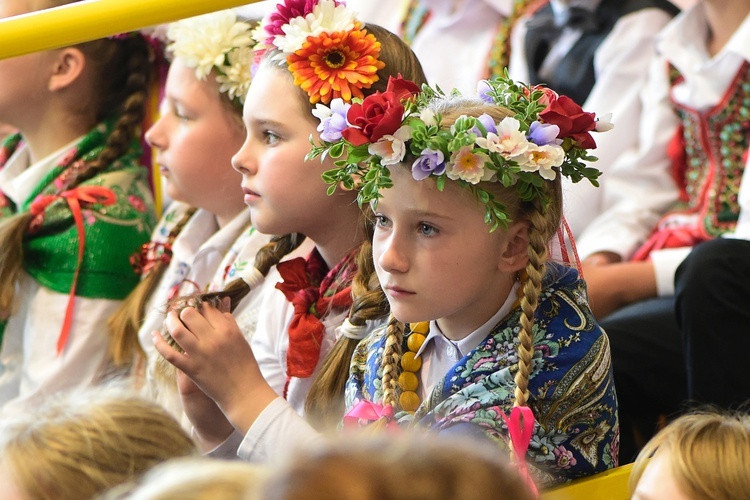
394 346
532 288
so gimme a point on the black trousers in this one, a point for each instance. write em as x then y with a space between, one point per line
675 352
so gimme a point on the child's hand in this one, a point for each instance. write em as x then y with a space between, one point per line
219 360
612 286
210 426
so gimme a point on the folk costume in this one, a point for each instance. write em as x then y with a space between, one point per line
571 384
596 52
76 263
695 139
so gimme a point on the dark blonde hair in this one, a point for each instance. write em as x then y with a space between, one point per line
79 445
324 404
120 72
398 467
543 214
708 452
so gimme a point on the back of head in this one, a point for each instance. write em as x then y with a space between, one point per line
195 479
78 445
708 452
398 467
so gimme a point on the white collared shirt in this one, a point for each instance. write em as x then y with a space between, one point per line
639 199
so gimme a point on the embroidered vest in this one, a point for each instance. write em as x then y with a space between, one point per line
575 76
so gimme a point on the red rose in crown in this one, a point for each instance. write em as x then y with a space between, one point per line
573 121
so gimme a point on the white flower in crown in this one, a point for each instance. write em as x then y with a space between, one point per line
326 17
508 140
391 148
542 159
204 42
235 80
469 165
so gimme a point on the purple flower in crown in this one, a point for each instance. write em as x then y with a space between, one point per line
332 120
430 162
543 134
488 123
483 91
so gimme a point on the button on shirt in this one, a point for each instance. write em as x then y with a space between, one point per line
439 353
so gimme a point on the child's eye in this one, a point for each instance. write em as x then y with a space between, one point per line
381 221
427 229
270 137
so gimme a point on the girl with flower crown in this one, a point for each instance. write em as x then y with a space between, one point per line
298 360
206 236
74 204
486 336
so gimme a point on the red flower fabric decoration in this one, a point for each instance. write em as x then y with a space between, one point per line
573 121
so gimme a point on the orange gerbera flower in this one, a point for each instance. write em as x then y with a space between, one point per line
338 64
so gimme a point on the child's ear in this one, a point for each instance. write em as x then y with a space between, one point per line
516 253
67 66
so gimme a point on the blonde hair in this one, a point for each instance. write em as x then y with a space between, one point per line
79 445
120 72
195 479
405 466
542 213
324 403
708 452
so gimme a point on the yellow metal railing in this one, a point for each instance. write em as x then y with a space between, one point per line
92 19
610 485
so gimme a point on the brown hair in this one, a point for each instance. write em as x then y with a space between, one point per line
542 213
324 404
402 467
708 452
82 444
119 72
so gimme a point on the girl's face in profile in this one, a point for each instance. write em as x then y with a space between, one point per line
195 138
436 258
284 191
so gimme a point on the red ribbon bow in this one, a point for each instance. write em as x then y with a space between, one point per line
521 428
74 197
366 412
310 301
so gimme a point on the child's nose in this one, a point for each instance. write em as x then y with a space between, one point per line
155 136
392 256
243 160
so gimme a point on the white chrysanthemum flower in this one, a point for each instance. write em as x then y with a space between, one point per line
216 40
325 17
542 159
235 77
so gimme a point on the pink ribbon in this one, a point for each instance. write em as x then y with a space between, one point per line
520 428
366 412
74 197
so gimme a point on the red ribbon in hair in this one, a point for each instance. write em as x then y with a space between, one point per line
74 197
521 428
310 302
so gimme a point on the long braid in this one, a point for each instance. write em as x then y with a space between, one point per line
532 288
324 404
124 348
392 352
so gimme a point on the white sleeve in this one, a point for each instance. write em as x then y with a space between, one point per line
639 184
83 361
517 67
666 261
277 433
621 65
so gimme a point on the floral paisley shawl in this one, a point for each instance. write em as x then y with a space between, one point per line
112 232
571 385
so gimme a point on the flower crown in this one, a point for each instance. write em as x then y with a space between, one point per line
325 48
216 41
545 134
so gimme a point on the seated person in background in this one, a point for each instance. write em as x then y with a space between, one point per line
702 455
76 446
597 53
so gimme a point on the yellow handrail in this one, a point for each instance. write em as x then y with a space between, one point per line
610 485
92 19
